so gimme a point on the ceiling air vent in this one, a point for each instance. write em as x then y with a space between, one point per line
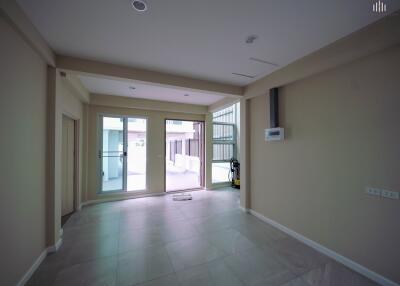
243 75
263 62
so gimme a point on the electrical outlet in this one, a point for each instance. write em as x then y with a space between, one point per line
390 194
373 191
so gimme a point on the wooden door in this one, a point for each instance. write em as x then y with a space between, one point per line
68 165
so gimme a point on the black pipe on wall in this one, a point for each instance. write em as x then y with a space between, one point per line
273 108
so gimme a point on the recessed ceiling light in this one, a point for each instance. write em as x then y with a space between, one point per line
250 39
139 5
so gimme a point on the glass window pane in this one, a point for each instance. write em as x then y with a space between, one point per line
136 154
222 152
220 172
223 132
112 156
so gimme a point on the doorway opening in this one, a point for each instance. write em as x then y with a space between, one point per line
68 168
184 155
123 154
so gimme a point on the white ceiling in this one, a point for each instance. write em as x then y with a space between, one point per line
146 91
199 38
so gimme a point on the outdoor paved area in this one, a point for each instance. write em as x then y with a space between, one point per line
174 181
207 241
181 181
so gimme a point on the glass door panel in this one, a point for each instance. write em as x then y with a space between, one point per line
136 160
113 154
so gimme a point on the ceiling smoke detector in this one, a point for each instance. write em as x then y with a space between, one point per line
186 94
139 5
132 88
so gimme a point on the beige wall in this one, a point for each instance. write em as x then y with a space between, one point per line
208 151
343 135
145 104
23 155
84 66
67 103
155 147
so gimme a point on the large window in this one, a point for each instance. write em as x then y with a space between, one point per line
225 132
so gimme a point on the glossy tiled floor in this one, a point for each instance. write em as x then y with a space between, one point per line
208 241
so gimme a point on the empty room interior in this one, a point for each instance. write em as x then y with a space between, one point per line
151 142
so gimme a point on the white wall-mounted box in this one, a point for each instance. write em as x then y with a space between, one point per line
274 134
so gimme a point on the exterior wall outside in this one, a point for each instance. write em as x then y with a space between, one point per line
342 135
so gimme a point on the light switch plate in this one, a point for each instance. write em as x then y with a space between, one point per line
373 191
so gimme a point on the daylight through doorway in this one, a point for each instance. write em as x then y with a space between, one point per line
184 156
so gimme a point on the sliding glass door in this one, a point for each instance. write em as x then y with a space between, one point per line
113 156
123 153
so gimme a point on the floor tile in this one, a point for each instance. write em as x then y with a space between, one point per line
298 282
92 248
332 274
140 238
168 280
215 273
156 241
182 229
255 266
214 223
91 231
143 265
298 257
191 252
229 240
93 273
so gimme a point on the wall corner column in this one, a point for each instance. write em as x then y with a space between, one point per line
208 151
52 235
244 154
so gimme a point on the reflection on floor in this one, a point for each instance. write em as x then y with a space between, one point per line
207 241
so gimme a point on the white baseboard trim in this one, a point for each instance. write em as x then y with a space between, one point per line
55 247
245 210
33 268
330 253
38 261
